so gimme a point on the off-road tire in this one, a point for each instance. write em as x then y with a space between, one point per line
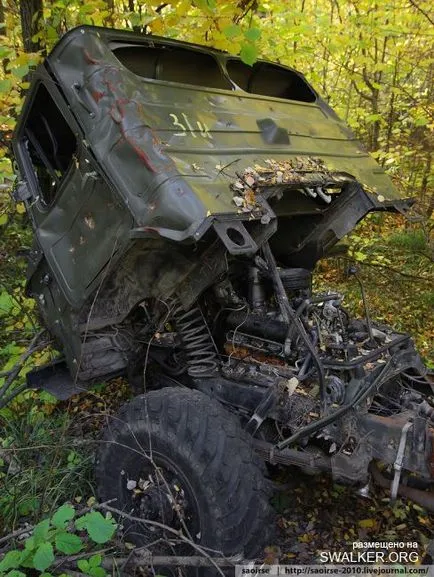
210 448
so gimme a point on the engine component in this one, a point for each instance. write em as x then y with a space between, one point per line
260 325
256 289
294 279
335 390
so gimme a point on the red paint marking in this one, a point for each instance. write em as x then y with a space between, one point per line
97 95
140 153
143 156
117 112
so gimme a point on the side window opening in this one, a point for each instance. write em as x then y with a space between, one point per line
172 64
270 79
50 143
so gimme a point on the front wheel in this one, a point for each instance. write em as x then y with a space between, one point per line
178 458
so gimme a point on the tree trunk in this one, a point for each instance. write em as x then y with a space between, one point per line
31 14
2 19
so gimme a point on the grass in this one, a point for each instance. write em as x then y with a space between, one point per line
41 465
413 241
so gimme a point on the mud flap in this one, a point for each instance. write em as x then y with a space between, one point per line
56 379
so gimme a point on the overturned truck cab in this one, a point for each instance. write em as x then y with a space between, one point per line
180 200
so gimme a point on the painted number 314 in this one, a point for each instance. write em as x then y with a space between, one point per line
186 126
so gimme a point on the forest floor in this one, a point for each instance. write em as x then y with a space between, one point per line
46 446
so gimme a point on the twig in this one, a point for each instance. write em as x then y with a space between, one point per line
422 11
395 271
146 558
16 533
386 267
165 528
15 371
5 401
73 558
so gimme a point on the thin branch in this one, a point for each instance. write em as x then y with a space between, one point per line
4 402
15 371
422 11
146 558
165 528
16 533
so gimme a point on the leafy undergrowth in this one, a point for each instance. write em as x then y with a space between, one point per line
63 539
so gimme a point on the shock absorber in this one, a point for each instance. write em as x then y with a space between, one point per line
198 345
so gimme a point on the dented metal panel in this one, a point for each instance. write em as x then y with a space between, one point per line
172 150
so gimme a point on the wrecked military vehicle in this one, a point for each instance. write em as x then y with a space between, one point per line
180 200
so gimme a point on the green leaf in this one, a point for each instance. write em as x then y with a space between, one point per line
44 556
3 219
62 516
97 572
231 32
252 34
421 121
68 543
99 528
40 532
94 567
51 33
249 54
83 565
5 85
27 556
6 305
15 573
30 504
360 256
20 71
11 560
29 544
95 560
373 117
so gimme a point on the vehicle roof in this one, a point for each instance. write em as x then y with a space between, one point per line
173 148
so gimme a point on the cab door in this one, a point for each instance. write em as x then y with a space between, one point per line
77 219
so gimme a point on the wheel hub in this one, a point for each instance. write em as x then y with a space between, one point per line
162 498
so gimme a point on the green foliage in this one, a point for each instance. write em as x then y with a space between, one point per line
57 535
43 557
98 527
249 53
92 566
413 240
62 516
68 543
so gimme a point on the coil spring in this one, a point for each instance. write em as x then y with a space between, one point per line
196 339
